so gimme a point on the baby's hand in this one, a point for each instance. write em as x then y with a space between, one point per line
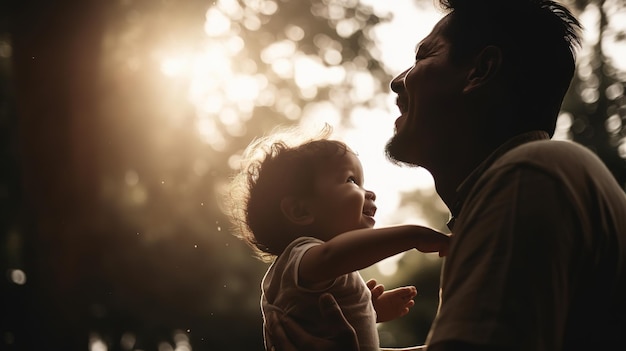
434 241
391 304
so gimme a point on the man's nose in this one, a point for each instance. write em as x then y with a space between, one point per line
397 84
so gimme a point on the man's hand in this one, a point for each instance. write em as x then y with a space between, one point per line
287 335
391 304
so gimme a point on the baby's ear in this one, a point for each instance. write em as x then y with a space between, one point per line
296 210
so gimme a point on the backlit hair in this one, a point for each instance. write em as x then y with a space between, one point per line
284 163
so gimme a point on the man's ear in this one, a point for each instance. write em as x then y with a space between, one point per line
296 210
487 65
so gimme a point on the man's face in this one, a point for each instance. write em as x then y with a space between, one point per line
428 96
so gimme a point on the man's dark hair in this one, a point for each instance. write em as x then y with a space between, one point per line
538 40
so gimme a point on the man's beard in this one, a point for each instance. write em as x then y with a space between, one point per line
398 150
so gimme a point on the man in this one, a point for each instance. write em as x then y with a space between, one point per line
538 255
538 259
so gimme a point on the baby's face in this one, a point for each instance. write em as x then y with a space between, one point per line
341 203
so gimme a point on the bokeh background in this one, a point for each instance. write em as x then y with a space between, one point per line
121 121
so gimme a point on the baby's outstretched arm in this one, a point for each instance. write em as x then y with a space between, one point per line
391 304
358 249
433 241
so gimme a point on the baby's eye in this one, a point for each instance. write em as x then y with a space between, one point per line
351 180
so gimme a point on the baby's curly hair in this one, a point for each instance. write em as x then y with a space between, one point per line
282 164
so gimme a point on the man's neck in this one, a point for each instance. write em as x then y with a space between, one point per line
447 181
450 174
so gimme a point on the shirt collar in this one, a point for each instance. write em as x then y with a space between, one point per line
466 186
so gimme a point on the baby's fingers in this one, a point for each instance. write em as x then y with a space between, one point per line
405 292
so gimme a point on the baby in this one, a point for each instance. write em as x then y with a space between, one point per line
304 207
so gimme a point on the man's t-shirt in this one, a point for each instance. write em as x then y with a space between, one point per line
538 255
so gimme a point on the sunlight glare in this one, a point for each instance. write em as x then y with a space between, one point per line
230 8
347 27
621 149
182 341
336 11
228 116
332 56
614 91
389 266
309 71
590 95
128 341
234 161
208 131
278 55
267 97
96 343
217 24
309 92
291 111
317 113
613 45
165 346
268 7
363 87
244 88
294 32
210 104
278 50
236 129
18 276
283 68
252 23
563 126
173 66
235 44
589 20
613 124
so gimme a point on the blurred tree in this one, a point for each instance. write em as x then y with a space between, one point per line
595 104
51 124
120 158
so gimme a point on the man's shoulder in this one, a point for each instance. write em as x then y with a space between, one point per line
551 146
549 153
565 161
569 163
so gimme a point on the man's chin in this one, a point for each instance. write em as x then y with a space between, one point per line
398 149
